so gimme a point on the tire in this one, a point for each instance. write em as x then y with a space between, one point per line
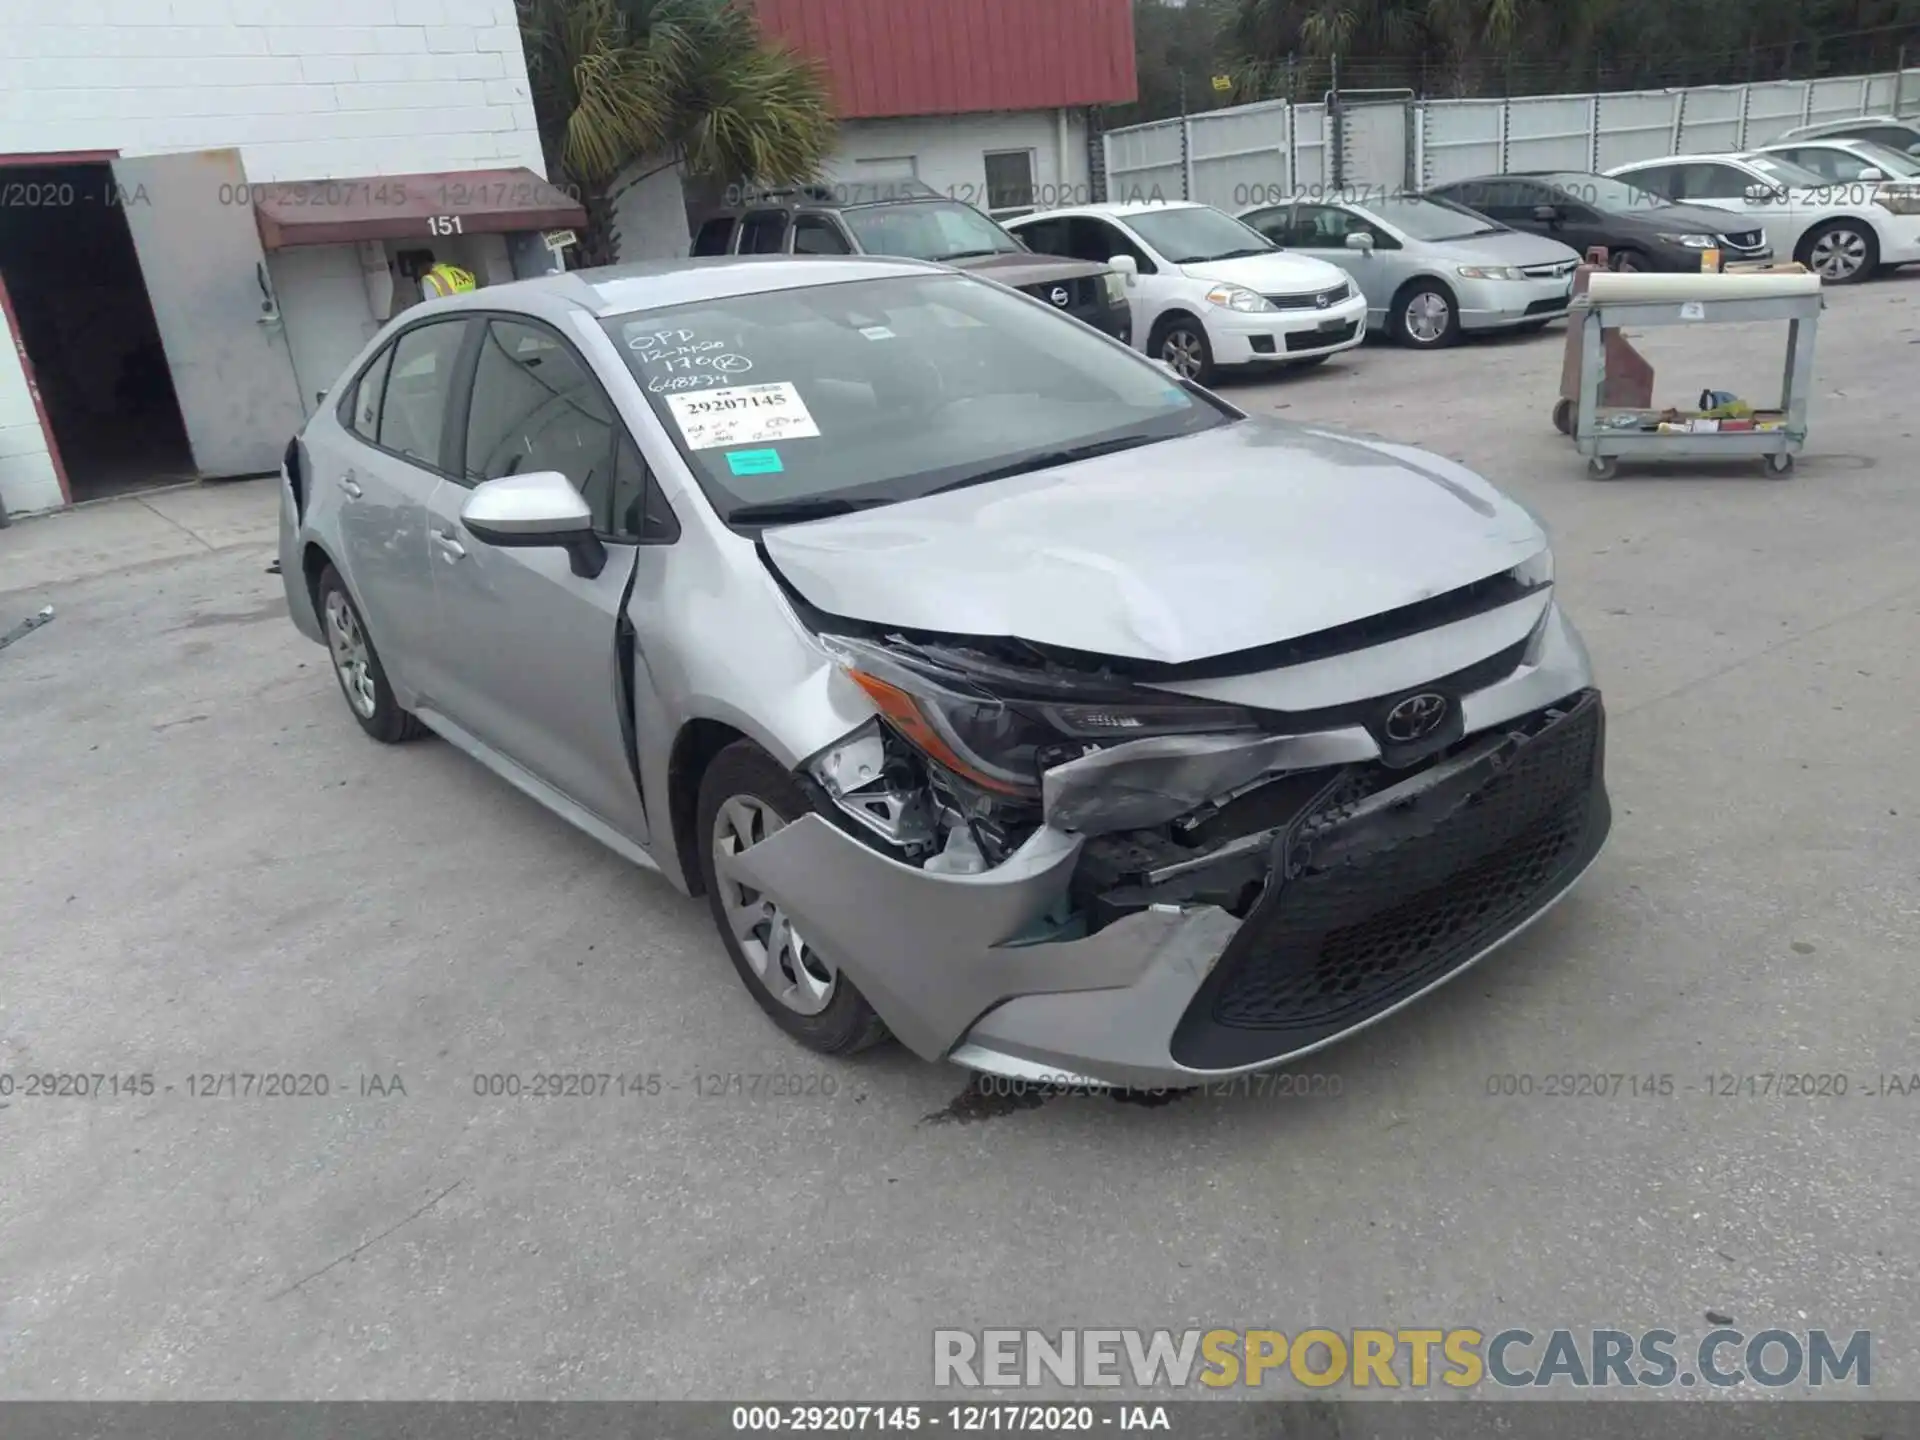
746 789
1840 252
1628 261
1780 465
1182 342
1563 415
356 665
1425 315
1603 467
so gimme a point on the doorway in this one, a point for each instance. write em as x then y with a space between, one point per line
87 326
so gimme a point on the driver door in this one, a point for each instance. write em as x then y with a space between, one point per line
528 653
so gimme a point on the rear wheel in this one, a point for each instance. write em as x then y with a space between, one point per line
1841 252
1628 262
356 665
745 796
1181 341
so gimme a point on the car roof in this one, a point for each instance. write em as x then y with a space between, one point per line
1904 122
1118 208
660 284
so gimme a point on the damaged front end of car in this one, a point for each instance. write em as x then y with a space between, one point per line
1041 864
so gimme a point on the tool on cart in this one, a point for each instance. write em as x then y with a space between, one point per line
1629 376
1724 424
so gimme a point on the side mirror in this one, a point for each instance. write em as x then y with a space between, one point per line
1360 240
1870 173
1128 267
537 511
1546 214
1762 194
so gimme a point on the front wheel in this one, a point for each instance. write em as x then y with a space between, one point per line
745 796
1841 252
1181 341
1628 262
1426 316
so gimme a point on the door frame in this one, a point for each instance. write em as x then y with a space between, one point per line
44 157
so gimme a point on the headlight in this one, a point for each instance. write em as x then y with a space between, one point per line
1236 297
1899 202
1002 743
1692 242
1490 272
1116 285
1535 570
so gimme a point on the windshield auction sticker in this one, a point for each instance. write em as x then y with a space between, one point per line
741 415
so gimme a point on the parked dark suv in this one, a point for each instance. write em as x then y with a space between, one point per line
906 217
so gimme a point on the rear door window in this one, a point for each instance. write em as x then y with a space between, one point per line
413 414
764 232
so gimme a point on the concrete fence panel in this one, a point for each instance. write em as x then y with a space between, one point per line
1461 139
1550 132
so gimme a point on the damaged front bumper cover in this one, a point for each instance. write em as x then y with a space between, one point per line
1383 897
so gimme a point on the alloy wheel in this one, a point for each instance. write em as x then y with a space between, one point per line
1838 254
1427 317
1185 352
352 657
792 972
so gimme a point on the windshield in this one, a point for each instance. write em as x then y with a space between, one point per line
929 230
1603 192
1884 158
1785 172
1422 217
1191 233
875 391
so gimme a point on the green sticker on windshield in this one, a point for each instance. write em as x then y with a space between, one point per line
754 462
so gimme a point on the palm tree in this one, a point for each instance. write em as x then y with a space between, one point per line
664 83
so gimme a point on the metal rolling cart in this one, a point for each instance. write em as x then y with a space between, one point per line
1639 299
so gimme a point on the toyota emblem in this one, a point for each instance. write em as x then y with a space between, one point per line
1415 718
1059 295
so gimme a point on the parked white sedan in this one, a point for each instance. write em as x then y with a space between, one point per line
1844 232
1207 290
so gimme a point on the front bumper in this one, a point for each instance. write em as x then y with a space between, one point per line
1499 304
1268 337
990 971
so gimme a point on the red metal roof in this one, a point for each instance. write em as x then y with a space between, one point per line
948 57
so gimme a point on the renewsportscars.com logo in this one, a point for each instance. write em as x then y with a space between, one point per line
1398 1359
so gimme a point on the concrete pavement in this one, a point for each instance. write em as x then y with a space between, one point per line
209 871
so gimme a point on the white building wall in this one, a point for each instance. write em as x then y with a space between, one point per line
949 152
307 89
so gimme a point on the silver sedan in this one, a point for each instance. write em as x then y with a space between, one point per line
999 693
1431 270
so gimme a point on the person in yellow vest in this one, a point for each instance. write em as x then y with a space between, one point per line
444 280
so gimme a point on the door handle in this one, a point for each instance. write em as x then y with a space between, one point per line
348 484
449 546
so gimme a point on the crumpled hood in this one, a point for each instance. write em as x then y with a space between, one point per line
1249 534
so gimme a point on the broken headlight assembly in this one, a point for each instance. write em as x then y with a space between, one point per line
999 739
948 774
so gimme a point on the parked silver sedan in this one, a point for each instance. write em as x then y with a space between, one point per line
998 691
1431 270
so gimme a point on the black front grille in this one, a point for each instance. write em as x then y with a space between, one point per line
1334 945
1313 299
1548 272
1320 339
1745 240
1552 305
